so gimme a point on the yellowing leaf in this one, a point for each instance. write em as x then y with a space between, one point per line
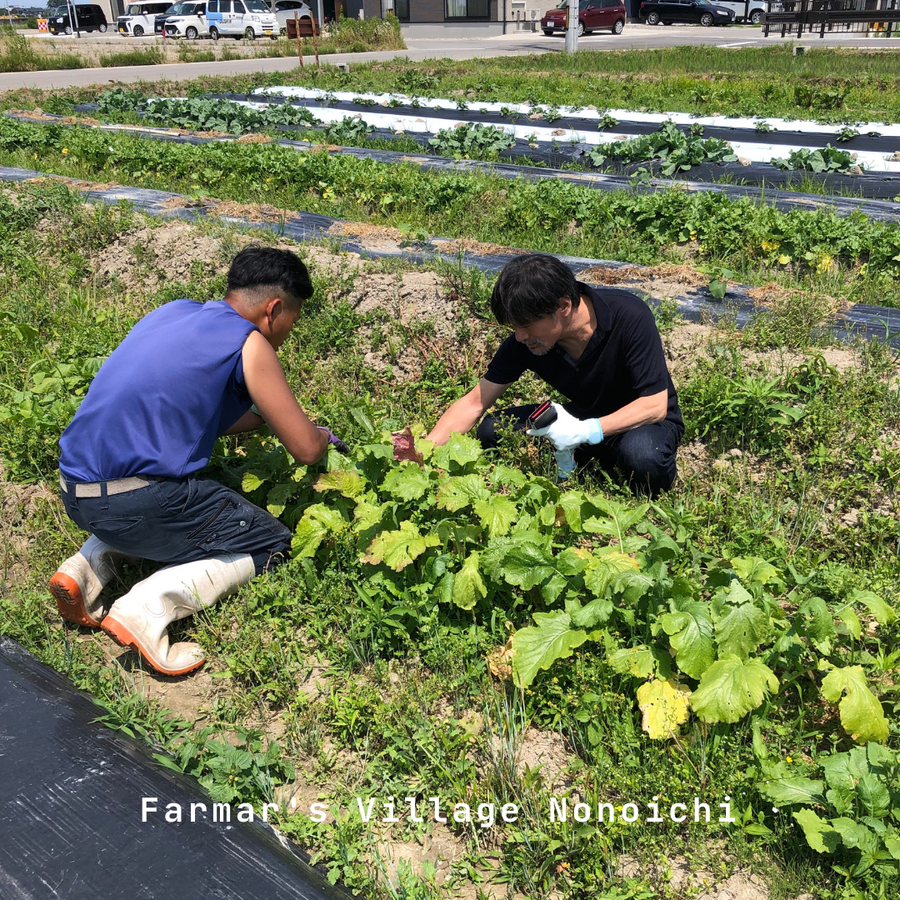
457 493
499 661
407 482
468 585
664 705
637 661
730 688
496 514
604 567
861 712
397 549
345 481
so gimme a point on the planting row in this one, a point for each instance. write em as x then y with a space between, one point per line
679 145
813 247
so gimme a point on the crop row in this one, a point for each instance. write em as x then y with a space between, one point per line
852 255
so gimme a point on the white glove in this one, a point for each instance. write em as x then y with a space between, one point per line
567 432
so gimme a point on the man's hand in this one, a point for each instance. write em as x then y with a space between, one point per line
567 432
334 440
464 414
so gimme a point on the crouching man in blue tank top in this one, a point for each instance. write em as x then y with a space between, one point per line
186 374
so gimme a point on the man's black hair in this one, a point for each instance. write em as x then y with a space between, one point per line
268 267
530 287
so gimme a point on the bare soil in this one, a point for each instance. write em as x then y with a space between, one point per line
683 878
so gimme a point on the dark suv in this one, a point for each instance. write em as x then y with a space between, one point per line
88 17
699 12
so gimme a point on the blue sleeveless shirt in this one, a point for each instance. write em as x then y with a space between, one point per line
164 395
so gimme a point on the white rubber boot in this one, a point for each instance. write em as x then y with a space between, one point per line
78 582
141 618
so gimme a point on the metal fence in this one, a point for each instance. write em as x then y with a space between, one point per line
874 18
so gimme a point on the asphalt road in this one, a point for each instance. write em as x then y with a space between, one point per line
635 37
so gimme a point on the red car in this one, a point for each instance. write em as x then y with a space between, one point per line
592 14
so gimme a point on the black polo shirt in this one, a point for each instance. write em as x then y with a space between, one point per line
623 360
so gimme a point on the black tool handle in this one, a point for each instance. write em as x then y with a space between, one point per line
544 415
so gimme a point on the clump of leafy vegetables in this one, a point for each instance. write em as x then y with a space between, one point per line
679 151
348 131
471 141
203 114
828 159
713 641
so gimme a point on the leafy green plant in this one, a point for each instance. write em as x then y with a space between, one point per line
446 527
246 773
414 82
847 133
812 97
719 278
33 418
743 407
851 810
828 159
349 130
473 140
677 150
204 114
607 121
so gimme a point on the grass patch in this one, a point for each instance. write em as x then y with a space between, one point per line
149 56
18 55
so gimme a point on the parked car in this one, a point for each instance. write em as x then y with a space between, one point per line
189 22
139 16
285 9
700 12
592 14
240 19
88 17
172 9
750 11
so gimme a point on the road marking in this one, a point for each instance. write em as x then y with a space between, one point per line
739 44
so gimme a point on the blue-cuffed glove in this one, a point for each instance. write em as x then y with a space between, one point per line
334 440
567 432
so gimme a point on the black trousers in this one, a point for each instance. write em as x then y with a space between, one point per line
646 455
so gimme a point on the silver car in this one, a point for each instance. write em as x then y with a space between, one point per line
285 9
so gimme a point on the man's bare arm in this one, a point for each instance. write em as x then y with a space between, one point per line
464 414
269 390
249 421
643 411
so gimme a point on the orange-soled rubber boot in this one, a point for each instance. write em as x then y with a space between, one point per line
79 581
141 618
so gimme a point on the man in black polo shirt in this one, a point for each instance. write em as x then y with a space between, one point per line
598 347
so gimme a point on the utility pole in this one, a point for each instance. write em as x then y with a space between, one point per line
73 19
572 30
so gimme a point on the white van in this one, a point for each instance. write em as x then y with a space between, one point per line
187 20
139 16
240 18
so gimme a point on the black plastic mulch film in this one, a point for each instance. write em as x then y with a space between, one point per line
71 800
871 322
